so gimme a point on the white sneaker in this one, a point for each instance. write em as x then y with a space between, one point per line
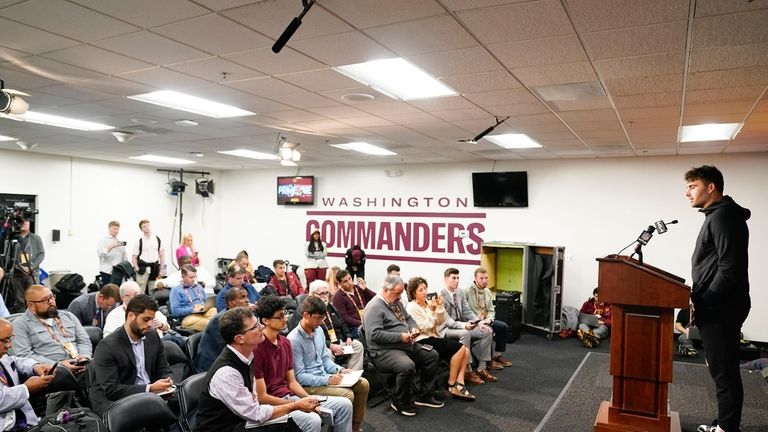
709 428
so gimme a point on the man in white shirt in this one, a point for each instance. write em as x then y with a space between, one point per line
116 318
111 252
148 256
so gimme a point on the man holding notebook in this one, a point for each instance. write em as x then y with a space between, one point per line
316 371
594 321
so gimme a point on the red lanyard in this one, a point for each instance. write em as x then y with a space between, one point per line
61 327
358 304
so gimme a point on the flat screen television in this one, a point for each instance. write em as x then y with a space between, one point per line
500 189
296 190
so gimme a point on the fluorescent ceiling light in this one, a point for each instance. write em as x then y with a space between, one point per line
396 78
513 141
7 138
250 154
185 102
366 148
163 159
709 132
65 122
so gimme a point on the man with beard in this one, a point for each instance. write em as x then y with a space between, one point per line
480 300
132 359
48 335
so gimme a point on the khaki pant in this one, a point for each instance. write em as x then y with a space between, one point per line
198 321
357 394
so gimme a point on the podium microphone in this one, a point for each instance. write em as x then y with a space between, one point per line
661 226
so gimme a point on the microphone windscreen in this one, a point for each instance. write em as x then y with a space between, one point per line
286 36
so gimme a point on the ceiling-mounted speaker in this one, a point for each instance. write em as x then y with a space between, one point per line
204 187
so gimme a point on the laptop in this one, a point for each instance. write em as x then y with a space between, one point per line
588 319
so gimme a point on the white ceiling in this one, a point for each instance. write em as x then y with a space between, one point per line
662 64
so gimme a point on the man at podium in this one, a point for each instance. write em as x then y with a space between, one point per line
720 289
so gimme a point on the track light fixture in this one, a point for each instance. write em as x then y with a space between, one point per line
292 27
485 132
286 151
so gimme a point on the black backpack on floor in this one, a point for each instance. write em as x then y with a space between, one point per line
71 283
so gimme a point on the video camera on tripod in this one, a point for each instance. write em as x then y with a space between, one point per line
13 218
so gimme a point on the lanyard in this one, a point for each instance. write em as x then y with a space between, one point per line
52 333
187 290
359 303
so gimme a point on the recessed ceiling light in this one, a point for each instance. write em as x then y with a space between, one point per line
250 154
162 159
709 132
513 141
7 138
358 97
65 122
193 104
396 78
366 148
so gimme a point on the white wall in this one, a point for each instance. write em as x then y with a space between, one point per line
80 196
593 207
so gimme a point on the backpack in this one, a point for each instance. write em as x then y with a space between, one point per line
71 420
264 274
71 283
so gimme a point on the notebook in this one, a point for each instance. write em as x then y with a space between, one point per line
349 379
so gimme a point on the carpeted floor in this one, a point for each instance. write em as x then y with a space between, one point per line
691 394
528 394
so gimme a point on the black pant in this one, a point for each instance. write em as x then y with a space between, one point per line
721 344
360 272
403 363
500 331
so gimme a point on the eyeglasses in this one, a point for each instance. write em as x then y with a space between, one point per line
255 327
322 293
6 341
44 299
279 317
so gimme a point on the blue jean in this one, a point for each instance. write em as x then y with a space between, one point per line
310 422
601 331
500 330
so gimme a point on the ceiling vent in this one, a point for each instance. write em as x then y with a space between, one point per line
570 92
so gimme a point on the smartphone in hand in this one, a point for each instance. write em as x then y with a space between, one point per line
320 398
52 369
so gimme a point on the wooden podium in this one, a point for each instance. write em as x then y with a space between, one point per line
642 301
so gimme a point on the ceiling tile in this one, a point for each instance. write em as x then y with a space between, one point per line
215 69
366 122
461 114
555 74
531 20
371 13
536 52
342 49
729 57
30 40
422 36
136 11
728 78
641 66
648 100
597 15
743 29
97 59
724 94
267 87
270 18
502 97
320 80
457 62
481 82
307 100
646 84
458 5
151 48
264 60
163 79
65 19
617 43
717 7
214 34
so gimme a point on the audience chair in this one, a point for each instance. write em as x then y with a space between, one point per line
173 322
386 378
177 360
189 395
139 411
13 317
192 343
95 334
161 296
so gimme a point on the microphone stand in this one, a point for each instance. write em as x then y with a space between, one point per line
639 252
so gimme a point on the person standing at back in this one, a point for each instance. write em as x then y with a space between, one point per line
720 288
111 252
148 257
315 251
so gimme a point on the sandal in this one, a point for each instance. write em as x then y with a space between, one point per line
459 391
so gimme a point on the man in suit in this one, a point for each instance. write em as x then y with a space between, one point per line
92 309
131 360
15 410
462 324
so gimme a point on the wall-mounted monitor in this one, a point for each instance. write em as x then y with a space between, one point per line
500 189
296 190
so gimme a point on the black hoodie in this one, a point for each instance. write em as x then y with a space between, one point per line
719 264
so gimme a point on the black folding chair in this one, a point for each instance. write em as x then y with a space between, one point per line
137 412
192 343
189 395
386 378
